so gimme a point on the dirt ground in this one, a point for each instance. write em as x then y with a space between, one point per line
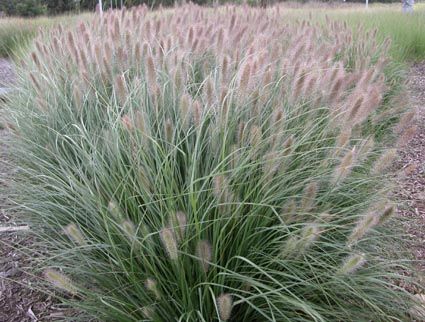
412 159
20 303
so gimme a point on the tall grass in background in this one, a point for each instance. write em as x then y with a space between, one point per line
212 165
16 34
407 31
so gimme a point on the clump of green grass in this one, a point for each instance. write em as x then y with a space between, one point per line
200 165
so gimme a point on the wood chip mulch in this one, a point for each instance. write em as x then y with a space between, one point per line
412 160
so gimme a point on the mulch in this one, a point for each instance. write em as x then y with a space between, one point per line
412 158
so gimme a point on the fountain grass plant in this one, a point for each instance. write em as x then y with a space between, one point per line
211 165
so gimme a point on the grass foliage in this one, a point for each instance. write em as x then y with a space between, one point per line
211 165
16 34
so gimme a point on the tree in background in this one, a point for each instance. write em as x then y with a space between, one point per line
25 8
60 6
36 7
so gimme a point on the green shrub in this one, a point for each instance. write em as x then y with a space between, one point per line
200 165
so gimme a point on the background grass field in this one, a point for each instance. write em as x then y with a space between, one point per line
407 32
16 33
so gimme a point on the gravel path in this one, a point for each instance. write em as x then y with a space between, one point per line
18 303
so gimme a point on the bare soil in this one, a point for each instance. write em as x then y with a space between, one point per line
19 302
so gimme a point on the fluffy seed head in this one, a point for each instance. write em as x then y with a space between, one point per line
150 71
418 311
169 129
108 52
71 44
73 232
83 59
60 281
114 209
128 227
362 228
244 79
343 138
255 136
219 185
336 89
77 96
204 253
224 69
121 88
309 196
179 222
36 60
35 82
386 214
241 132
407 136
209 91
355 108
138 53
352 264
384 161
289 212
405 121
309 235
365 149
169 242
271 163
148 312
288 146
345 166
152 286
197 113
225 306
299 84
127 122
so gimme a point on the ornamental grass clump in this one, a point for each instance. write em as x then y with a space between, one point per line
210 165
